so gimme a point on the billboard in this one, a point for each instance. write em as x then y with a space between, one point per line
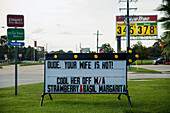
140 25
85 73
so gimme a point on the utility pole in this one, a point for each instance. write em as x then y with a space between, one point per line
127 18
97 38
128 22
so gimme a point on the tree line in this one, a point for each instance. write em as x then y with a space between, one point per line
27 53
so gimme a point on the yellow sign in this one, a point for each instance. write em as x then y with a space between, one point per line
140 29
121 29
146 29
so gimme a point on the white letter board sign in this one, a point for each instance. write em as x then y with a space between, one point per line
80 73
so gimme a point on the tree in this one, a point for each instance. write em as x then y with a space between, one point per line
60 51
155 50
142 50
29 53
3 46
108 48
165 7
69 51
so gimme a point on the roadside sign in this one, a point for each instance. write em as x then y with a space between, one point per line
15 20
92 73
101 51
140 25
85 50
100 47
15 34
15 44
20 55
86 73
146 28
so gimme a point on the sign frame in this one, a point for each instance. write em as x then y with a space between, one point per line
85 57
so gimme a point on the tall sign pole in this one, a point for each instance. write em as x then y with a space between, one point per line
128 26
16 70
128 30
128 23
15 34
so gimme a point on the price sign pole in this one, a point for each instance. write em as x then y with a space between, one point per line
16 70
15 34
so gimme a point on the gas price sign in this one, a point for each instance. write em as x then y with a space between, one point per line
121 29
146 28
85 73
141 25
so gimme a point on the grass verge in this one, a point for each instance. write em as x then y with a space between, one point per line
5 64
142 70
27 64
146 97
145 62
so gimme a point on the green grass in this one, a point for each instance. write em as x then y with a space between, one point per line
145 62
27 64
146 97
142 70
5 64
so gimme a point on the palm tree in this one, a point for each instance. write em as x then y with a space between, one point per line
165 7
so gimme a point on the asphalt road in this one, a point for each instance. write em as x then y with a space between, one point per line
26 75
35 74
164 68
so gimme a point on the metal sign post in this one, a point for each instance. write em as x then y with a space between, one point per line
16 70
15 34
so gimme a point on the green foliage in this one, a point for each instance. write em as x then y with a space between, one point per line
27 53
147 96
142 50
165 38
145 62
142 70
107 48
27 64
69 51
166 41
59 51
155 50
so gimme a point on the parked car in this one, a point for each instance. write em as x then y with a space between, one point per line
159 61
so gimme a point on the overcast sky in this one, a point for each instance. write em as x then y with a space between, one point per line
64 24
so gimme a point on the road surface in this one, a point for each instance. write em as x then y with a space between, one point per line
35 74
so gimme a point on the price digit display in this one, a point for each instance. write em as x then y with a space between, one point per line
146 28
140 29
121 29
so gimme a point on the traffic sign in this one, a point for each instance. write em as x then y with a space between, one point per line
15 20
15 44
15 34
101 51
100 47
